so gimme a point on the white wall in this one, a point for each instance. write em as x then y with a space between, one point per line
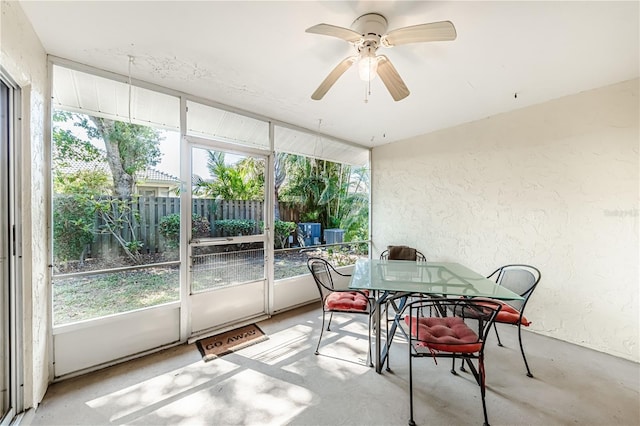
24 59
554 185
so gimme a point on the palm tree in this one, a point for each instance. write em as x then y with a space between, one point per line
242 181
331 193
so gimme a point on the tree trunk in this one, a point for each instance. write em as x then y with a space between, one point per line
276 206
122 181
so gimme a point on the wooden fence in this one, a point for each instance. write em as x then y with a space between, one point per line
152 209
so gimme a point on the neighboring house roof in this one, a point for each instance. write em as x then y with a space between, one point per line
151 174
148 175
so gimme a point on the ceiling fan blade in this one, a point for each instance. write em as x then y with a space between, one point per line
434 31
334 31
333 77
391 79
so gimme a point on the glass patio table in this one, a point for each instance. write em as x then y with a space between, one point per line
398 279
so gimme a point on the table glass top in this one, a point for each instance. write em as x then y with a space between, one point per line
443 278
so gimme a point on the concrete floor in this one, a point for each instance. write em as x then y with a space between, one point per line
281 381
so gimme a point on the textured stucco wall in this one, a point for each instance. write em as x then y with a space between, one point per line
554 185
24 59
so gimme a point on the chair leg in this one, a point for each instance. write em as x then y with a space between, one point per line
321 331
369 354
526 364
497 335
483 388
329 323
462 368
411 422
478 374
386 322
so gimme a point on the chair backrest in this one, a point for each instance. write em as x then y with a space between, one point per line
321 272
519 278
402 253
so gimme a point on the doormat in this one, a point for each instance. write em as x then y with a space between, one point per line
230 341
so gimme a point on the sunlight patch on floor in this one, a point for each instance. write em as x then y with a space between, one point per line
256 399
175 384
280 346
349 350
202 391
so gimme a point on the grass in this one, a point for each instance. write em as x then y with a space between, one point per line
92 296
83 297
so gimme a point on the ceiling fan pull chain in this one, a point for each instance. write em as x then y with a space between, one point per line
367 91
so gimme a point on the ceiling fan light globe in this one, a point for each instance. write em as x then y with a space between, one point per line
368 68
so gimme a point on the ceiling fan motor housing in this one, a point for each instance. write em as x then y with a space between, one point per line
372 26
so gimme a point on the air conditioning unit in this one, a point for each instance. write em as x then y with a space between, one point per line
310 233
333 236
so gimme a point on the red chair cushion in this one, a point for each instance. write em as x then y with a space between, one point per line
508 314
349 301
448 334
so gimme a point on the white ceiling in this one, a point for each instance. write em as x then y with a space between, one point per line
256 56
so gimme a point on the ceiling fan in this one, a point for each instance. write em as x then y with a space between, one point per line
367 34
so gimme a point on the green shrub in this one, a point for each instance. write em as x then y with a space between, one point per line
200 226
73 223
234 227
282 231
169 228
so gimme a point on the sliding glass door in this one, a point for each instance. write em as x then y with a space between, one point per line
10 398
227 254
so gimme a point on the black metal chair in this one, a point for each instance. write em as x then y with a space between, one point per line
523 280
447 331
402 253
339 300
398 253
